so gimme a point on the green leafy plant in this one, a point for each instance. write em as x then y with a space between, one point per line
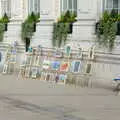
29 25
3 25
62 28
106 32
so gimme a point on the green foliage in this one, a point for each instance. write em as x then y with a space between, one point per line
4 20
28 26
108 26
60 32
68 17
62 27
1 31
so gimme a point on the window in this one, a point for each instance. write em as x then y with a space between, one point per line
112 4
6 7
68 5
33 6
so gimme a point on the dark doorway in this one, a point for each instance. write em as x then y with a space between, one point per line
27 43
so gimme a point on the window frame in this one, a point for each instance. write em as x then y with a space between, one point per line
33 6
67 1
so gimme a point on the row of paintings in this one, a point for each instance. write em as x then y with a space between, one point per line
64 66
45 76
74 66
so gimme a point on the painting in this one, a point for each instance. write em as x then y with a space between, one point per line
79 53
64 66
67 51
62 78
75 66
55 65
58 53
46 64
34 72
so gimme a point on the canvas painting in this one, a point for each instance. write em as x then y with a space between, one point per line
46 64
55 65
58 53
34 72
77 66
67 51
79 53
64 66
62 78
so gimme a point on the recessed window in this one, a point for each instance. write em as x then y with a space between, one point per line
6 7
70 5
112 4
33 6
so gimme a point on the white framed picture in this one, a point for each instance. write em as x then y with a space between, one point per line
75 66
34 71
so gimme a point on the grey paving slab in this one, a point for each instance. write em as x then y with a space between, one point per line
36 100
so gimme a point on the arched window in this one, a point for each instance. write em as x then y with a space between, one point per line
33 6
6 7
70 5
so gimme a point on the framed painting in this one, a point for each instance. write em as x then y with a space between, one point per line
55 65
34 72
46 64
64 66
68 51
57 53
77 65
79 53
62 78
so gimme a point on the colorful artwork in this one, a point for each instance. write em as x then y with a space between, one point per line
55 65
64 66
75 66
46 64
68 51
62 78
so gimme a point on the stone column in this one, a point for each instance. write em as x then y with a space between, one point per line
56 9
17 9
87 9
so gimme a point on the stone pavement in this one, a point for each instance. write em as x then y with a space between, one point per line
36 100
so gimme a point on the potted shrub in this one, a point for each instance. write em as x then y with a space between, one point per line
5 20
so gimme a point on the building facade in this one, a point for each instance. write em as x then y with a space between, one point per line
88 13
